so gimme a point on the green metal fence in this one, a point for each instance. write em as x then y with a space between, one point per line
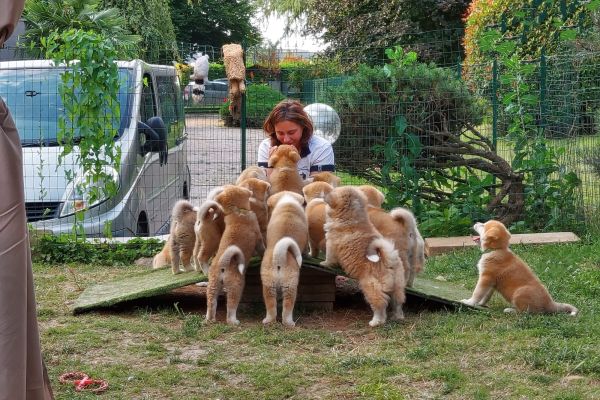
454 143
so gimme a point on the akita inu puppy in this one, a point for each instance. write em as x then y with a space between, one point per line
374 195
287 235
209 227
258 201
180 245
285 176
326 176
241 238
253 171
502 270
314 193
363 253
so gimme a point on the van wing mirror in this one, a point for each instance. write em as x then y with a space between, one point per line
155 135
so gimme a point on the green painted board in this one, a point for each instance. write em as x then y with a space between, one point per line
161 281
428 289
145 284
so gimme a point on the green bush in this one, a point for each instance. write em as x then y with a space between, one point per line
260 100
64 249
216 71
368 103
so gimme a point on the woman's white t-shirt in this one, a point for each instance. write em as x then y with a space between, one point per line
316 156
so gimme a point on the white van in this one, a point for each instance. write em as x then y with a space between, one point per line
154 171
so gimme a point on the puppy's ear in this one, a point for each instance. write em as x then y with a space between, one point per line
331 199
294 156
273 159
271 201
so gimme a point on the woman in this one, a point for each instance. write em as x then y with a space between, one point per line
22 372
288 123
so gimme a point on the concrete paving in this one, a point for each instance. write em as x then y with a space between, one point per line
214 152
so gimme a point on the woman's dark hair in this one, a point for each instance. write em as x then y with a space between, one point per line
289 110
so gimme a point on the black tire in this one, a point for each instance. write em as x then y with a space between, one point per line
143 229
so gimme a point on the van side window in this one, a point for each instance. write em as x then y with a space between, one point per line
148 103
167 96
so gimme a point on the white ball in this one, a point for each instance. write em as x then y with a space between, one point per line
326 121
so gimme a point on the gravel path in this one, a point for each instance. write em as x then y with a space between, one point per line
214 153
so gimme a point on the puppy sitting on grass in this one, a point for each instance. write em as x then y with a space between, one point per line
502 270
180 245
287 235
365 255
241 238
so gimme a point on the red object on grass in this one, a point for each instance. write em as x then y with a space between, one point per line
83 382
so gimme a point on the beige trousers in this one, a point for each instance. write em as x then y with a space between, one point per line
22 375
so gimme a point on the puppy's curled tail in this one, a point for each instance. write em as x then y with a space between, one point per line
381 249
281 248
566 308
160 260
181 207
205 209
229 254
405 217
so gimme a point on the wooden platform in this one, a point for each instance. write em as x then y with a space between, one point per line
444 245
316 288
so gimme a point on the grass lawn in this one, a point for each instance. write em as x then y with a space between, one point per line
164 350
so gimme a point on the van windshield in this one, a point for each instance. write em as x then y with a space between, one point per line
32 95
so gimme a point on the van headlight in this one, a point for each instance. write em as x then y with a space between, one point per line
84 194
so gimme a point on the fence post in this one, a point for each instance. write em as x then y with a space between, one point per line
543 111
243 112
495 103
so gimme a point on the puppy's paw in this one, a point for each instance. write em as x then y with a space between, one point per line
176 271
469 302
398 315
188 268
233 321
376 322
289 323
510 310
268 320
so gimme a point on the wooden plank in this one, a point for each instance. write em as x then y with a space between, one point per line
444 245
145 284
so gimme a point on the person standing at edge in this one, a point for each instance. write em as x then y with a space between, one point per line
22 373
288 123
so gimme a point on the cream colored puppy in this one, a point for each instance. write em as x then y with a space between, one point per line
258 201
240 239
327 177
180 245
287 235
502 270
400 226
253 171
285 176
374 195
363 253
314 193
209 227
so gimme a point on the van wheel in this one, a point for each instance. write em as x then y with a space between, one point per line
142 225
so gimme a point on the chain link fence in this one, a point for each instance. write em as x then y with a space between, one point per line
454 144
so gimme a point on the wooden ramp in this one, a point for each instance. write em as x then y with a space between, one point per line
446 244
156 282
145 284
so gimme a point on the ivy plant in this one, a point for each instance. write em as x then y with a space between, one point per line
88 89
